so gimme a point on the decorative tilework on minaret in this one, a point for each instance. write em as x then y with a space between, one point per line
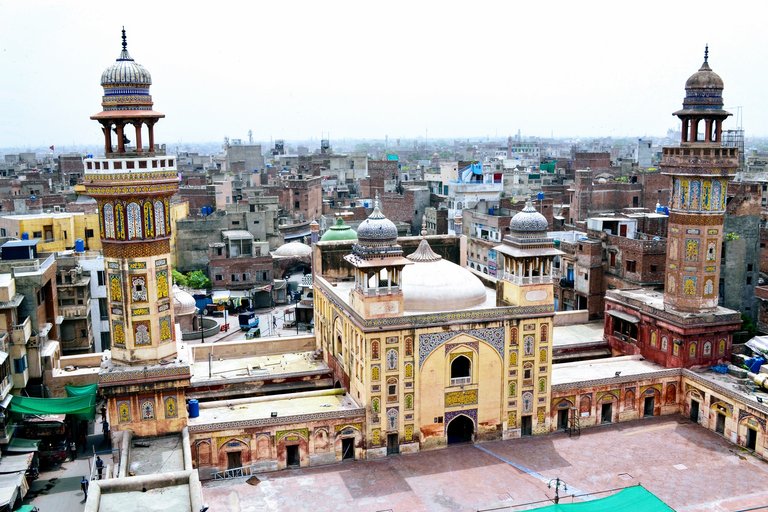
700 169
133 186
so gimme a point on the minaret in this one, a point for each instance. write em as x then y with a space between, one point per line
526 273
700 169
378 263
133 186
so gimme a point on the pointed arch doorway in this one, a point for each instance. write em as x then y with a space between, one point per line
460 430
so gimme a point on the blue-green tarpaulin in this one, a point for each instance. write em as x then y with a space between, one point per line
83 406
87 389
631 499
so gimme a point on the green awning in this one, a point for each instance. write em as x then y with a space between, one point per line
83 406
630 499
87 389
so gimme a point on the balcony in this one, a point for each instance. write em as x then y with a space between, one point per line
79 312
22 332
379 292
461 381
519 280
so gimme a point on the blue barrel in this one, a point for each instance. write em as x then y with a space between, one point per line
25 236
194 408
79 245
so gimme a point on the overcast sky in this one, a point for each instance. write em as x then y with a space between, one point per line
366 69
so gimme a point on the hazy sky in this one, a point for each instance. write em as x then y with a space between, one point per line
366 69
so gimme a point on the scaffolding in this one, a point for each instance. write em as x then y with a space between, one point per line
735 139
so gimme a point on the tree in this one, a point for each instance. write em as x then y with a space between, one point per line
198 280
179 278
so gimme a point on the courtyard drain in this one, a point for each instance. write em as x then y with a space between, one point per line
680 467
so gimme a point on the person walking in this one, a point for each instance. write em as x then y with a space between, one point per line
72 450
99 466
84 487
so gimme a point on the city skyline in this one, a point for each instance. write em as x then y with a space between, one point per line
345 70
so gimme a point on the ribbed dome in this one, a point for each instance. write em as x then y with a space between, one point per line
126 84
293 250
434 284
125 71
183 302
377 229
339 231
528 220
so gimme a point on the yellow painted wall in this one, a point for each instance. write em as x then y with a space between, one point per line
57 231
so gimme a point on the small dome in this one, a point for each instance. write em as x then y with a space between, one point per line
125 71
293 250
704 78
528 220
704 88
183 302
339 231
377 229
434 284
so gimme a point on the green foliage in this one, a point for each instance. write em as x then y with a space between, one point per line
748 325
621 179
179 278
729 237
198 280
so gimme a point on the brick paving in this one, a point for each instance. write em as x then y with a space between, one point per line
690 468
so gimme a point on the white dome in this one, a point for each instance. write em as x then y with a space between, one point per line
294 250
434 284
183 302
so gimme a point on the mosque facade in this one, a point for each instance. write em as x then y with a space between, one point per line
432 353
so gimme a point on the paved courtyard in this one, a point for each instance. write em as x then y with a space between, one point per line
690 468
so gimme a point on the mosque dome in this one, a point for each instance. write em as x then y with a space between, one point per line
183 302
528 220
293 250
704 88
339 231
377 229
125 71
434 284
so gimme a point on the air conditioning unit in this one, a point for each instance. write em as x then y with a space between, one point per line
56 209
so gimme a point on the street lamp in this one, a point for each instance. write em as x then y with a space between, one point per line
557 484
202 327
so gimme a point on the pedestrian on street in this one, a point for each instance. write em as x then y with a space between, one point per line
103 412
73 450
99 466
105 428
84 487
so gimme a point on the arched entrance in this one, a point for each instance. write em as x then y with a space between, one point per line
460 430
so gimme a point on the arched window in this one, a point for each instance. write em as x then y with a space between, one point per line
461 368
109 221
408 347
375 349
134 221
392 390
159 218
544 333
707 348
